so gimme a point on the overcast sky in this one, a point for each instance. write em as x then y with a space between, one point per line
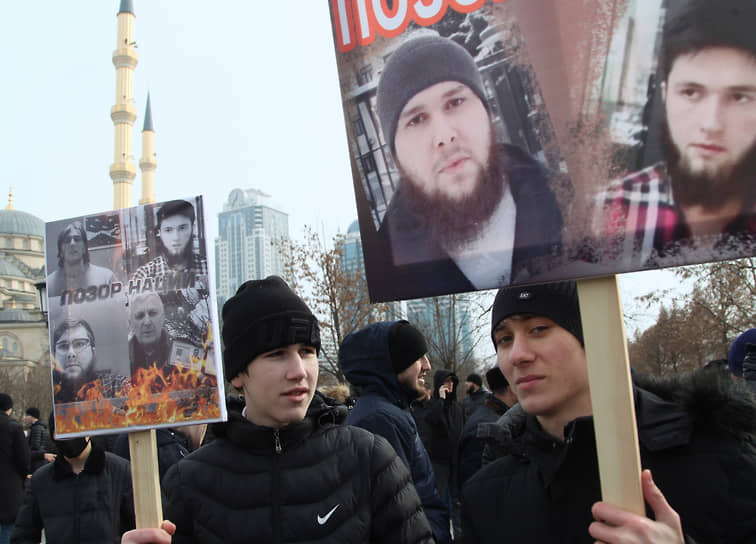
243 93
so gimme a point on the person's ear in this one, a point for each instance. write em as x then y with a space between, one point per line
663 88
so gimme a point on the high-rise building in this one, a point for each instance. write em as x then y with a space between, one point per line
249 244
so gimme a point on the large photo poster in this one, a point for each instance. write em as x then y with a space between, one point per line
500 142
132 325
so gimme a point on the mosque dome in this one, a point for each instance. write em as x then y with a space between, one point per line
16 315
21 223
7 268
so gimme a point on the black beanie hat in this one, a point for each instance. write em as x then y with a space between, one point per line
33 411
6 402
406 345
558 301
416 65
475 378
496 380
261 316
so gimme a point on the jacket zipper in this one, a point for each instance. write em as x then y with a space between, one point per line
276 488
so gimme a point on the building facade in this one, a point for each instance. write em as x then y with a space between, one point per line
251 241
24 343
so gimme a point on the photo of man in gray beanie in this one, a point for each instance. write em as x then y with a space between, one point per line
284 468
469 212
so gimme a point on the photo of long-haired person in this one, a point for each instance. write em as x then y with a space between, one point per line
176 258
469 212
74 267
699 201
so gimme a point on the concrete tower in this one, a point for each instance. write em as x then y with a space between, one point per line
123 114
148 163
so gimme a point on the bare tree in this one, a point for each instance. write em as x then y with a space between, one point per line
334 287
721 305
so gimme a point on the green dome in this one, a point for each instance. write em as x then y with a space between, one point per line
16 222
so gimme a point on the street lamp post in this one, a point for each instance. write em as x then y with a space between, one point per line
42 293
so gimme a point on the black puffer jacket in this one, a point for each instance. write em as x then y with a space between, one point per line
40 443
696 434
315 481
94 506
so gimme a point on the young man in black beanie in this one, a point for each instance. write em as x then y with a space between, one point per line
469 213
387 364
696 435
283 468
475 394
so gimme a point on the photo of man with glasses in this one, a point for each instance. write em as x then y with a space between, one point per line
76 364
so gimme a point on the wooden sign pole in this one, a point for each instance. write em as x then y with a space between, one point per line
145 478
611 393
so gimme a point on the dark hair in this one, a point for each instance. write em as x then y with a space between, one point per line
78 227
6 402
175 207
69 324
33 411
699 24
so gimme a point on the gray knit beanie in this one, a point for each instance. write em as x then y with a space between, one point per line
558 301
416 65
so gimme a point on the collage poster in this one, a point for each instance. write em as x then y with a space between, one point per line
132 320
500 142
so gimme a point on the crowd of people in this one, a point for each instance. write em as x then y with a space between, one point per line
394 459
388 457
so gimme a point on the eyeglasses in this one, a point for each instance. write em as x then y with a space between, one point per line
78 345
67 239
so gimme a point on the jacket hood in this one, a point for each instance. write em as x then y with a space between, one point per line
669 409
366 362
440 377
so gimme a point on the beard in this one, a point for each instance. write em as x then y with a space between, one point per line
710 188
183 257
454 222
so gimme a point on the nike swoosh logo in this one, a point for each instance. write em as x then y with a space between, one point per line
323 520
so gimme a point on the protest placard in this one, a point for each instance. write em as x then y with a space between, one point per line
132 318
574 147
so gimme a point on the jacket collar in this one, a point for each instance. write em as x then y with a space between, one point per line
94 464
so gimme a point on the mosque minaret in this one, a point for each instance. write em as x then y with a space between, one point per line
148 163
123 113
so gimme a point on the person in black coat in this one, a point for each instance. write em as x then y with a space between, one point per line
696 437
40 442
84 496
497 402
15 464
387 362
283 468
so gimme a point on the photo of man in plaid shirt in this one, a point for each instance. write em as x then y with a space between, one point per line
701 198
177 264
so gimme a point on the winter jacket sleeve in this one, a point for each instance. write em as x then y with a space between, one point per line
381 425
174 508
397 513
21 452
28 528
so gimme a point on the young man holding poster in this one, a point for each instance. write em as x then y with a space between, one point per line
469 213
283 469
701 197
543 485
